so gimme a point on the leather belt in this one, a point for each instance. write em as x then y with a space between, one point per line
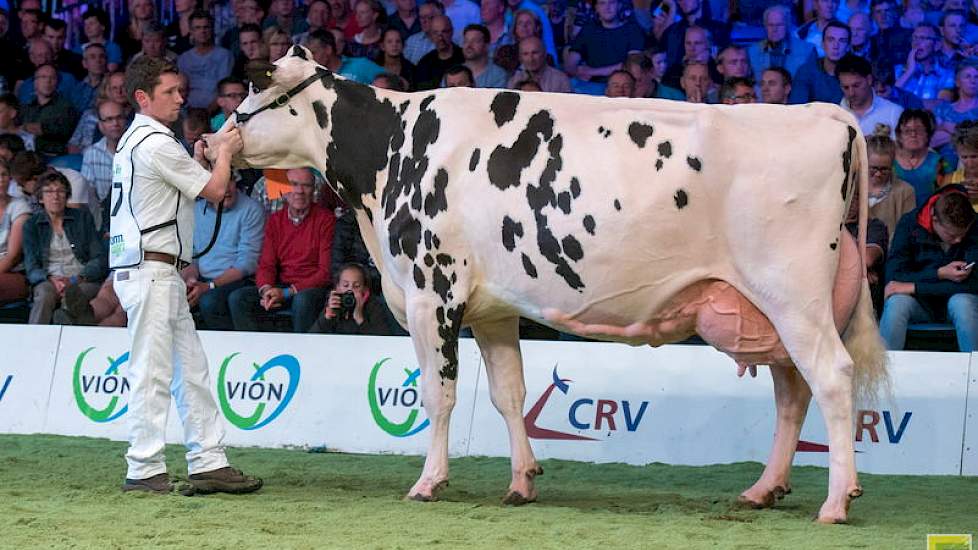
165 258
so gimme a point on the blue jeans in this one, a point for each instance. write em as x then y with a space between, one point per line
214 308
304 307
901 310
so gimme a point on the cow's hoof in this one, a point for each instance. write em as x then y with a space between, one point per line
856 492
515 498
427 496
831 520
762 499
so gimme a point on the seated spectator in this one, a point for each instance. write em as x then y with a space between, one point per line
294 267
366 43
282 14
62 250
950 50
493 18
325 47
233 260
250 48
97 158
277 43
891 43
104 310
179 30
527 86
815 80
697 50
432 67
642 69
206 64
96 65
363 316
26 169
601 47
732 62
526 24
231 91
475 50
949 115
55 33
153 44
737 91
889 197
9 111
458 76
95 26
621 83
775 85
696 82
390 81
692 14
405 19
318 14
40 53
141 13
112 88
419 44
930 270
322 195
391 56
540 18
14 213
884 84
861 26
855 76
247 13
916 163
10 145
49 116
812 31
194 125
922 75
966 145
533 67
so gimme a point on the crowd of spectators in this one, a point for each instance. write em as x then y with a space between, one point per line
907 71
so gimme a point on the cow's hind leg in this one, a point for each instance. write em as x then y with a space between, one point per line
792 396
500 345
434 329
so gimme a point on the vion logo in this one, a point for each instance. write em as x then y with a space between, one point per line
99 393
867 423
395 395
265 390
5 385
585 414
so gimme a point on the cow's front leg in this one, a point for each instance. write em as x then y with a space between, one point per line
792 397
434 329
500 345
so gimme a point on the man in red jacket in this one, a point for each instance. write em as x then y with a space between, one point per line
294 266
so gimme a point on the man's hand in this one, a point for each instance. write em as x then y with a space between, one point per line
34 128
231 143
200 153
744 367
896 287
954 271
911 65
332 305
195 291
273 298
59 284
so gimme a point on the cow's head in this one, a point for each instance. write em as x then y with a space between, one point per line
282 121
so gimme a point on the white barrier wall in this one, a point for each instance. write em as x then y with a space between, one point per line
585 401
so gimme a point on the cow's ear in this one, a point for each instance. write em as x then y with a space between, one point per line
299 51
259 72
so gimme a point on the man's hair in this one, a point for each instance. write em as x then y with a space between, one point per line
706 32
98 13
785 75
438 5
729 88
152 27
689 64
12 143
26 165
731 47
197 119
201 14
229 80
785 10
394 82
250 27
53 177
883 72
966 135
10 100
528 82
954 210
965 64
640 59
853 64
36 13
924 116
459 69
364 275
144 74
91 45
836 24
481 29
56 24
623 72
949 13
324 37
874 3
931 26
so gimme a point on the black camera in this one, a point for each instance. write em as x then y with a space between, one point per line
348 302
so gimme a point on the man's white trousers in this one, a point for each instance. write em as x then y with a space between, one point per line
165 355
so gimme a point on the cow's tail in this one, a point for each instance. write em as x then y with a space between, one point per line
862 336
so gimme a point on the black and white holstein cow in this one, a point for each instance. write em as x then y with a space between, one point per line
641 221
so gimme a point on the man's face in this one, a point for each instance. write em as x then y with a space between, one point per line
659 64
40 52
697 47
350 279
152 43
525 26
773 88
4 25
29 25
885 15
734 63
111 120
231 196
951 30
742 94
283 8
231 97
474 47
93 28
318 15
117 88
857 89
441 33
320 52
426 14
775 26
56 38
967 82
250 43
300 196
492 11
142 10
607 10
183 6
620 85
165 101
7 115
202 31
458 80
94 61
860 26
45 81
825 9
948 233
923 40
689 6
365 15
696 78
406 6
835 42
248 11
532 55
969 160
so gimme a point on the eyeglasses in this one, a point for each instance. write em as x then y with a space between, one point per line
59 192
745 97
880 169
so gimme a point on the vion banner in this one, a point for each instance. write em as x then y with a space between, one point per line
25 376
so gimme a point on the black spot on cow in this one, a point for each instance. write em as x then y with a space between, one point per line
427 239
322 114
370 215
454 277
601 130
503 107
847 163
449 325
416 201
640 132
564 202
440 284
418 277
402 108
511 231
572 247
507 163
833 246
298 51
681 198
444 260
436 201
617 205
665 149
575 187
694 163
589 224
658 164
528 266
474 160
436 241
429 260
405 234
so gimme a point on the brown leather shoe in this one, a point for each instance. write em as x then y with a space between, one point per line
224 480
159 484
